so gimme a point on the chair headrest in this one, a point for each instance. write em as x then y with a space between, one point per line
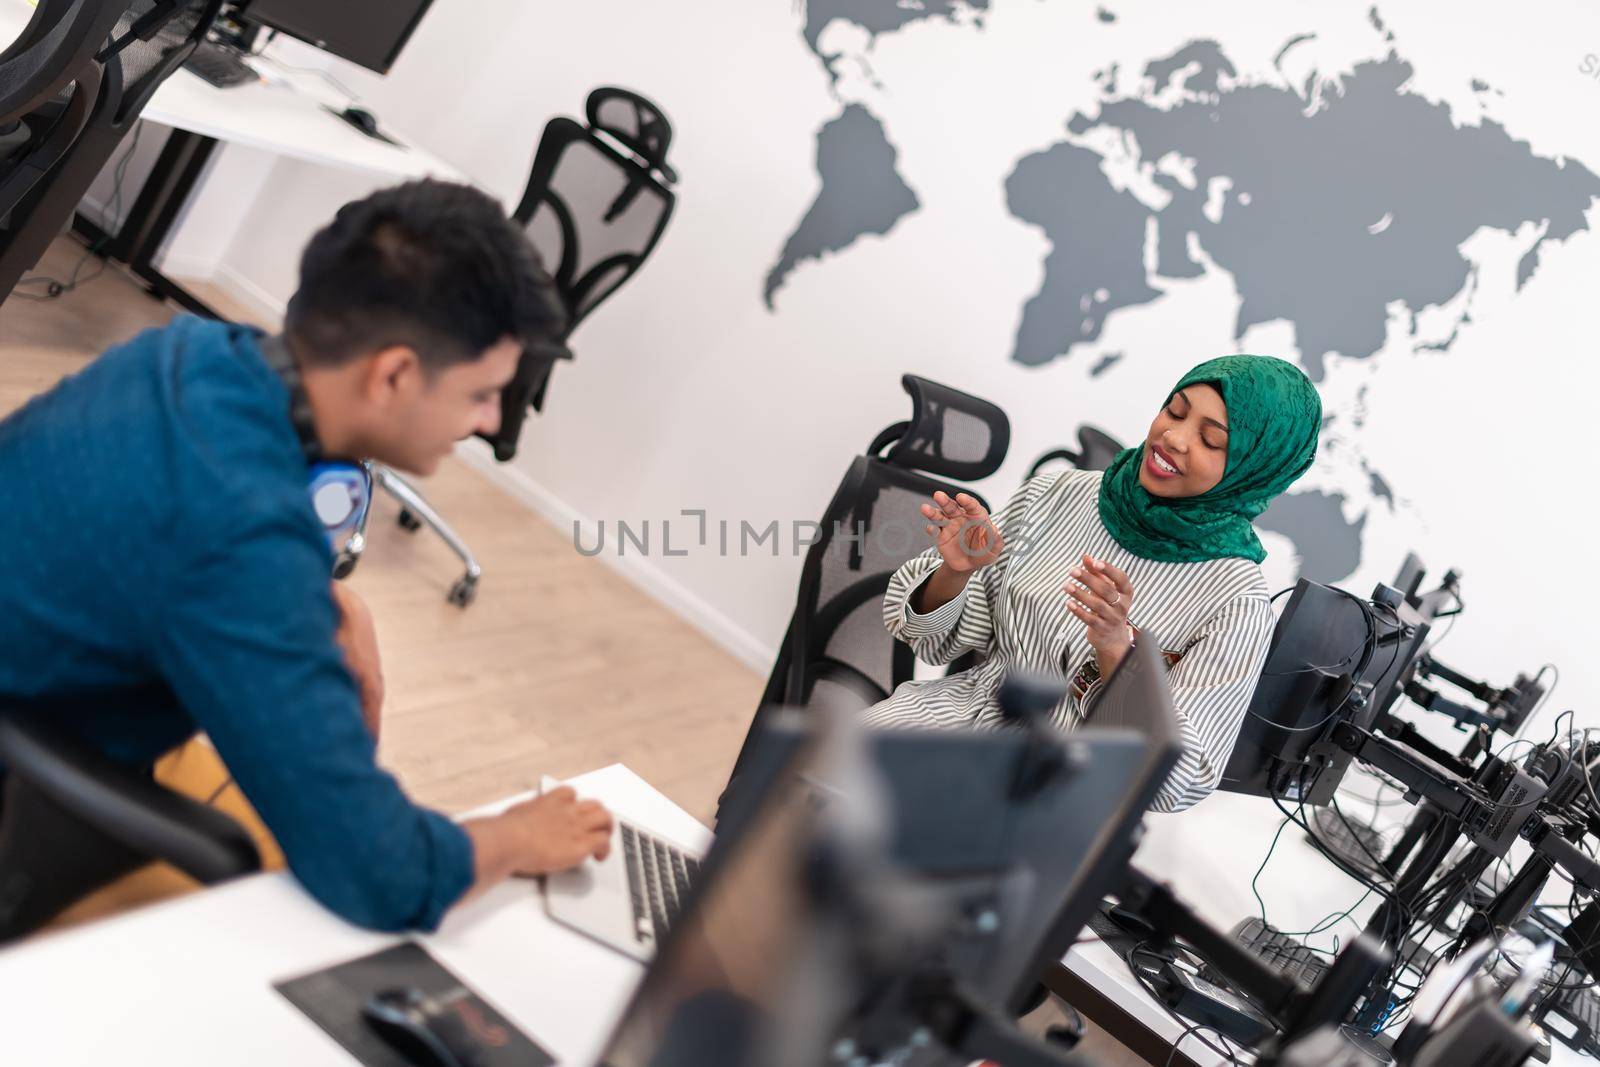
1098 448
635 121
951 433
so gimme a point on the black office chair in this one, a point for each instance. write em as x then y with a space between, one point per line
597 201
1096 450
147 42
50 80
72 821
837 652
595 212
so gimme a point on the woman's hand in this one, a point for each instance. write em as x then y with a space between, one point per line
1101 596
967 540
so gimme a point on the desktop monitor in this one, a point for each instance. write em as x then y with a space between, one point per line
367 32
1432 604
1409 578
1402 644
759 968
1329 646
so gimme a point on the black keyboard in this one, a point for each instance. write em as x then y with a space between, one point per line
658 881
1277 949
1350 840
220 67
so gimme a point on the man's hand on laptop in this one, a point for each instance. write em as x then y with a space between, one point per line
550 833
563 831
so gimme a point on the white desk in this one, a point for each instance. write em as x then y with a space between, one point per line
188 983
281 114
1211 872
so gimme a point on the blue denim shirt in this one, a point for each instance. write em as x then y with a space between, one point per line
162 571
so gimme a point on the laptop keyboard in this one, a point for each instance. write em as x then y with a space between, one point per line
659 876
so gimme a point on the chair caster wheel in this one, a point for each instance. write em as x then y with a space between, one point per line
408 522
464 592
1035 1001
1067 1034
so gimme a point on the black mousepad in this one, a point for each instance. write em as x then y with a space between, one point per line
333 997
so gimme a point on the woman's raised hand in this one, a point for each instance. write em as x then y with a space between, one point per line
966 537
1100 596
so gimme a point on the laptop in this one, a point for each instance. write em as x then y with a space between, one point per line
629 899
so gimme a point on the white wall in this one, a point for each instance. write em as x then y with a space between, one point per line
688 393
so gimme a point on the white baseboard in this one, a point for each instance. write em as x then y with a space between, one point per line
194 268
251 295
637 569
262 305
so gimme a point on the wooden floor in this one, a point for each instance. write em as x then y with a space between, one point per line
560 666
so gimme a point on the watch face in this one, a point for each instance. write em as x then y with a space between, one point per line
334 503
339 494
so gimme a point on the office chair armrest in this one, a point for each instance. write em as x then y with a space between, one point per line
127 806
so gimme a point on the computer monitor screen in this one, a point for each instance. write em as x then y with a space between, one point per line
1408 580
1431 604
368 32
738 976
1327 644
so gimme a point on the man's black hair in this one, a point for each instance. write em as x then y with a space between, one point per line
433 265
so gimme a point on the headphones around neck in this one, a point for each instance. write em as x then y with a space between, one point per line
341 490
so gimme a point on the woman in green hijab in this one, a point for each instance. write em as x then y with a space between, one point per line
1079 563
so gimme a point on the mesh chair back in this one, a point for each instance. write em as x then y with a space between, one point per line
636 122
151 40
873 525
44 18
836 652
146 42
55 52
49 84
593 212
951 433
597 201
1096 449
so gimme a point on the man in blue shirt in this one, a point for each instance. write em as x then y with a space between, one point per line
164 571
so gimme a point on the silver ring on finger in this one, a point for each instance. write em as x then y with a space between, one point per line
1114 603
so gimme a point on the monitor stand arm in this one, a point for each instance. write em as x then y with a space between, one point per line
1156 904
964 1024
1296 1010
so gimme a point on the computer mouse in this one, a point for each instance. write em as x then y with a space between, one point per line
426 1030
1131 922
362 119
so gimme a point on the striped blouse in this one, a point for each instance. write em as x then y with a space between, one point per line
1216 615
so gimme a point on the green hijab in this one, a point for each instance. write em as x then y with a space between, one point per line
1274 417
